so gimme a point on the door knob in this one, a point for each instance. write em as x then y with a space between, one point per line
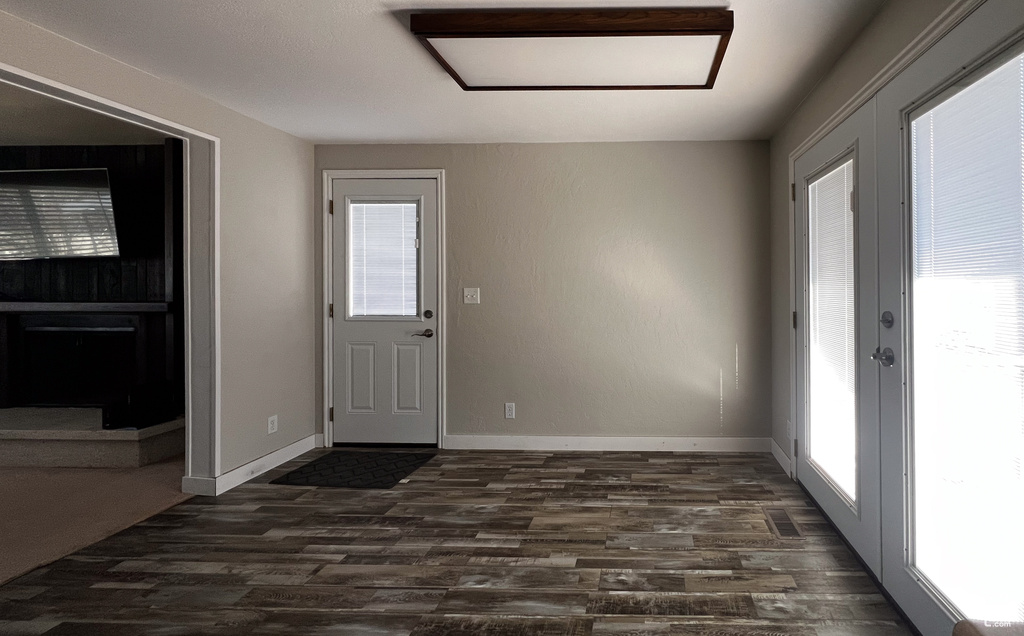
427 333
884 357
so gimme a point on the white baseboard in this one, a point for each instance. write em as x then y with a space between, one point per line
552 442
318 440
782 458
213 486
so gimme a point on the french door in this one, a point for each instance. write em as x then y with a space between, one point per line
837 296
924 361
951 259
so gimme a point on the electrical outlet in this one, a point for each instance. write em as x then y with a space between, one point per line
510 410
471 295
271 424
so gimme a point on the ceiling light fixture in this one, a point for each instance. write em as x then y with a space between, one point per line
664 49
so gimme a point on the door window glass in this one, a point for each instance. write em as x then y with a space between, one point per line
832 370
967 344
382 259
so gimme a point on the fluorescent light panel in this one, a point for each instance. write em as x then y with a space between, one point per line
581 61
574 49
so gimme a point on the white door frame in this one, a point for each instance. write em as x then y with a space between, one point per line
328 290
201 264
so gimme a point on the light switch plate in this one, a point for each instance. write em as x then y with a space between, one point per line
471 295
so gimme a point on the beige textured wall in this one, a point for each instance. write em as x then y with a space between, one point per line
267 280
895 26
622 284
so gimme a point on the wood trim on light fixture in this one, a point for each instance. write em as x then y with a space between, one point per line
575 23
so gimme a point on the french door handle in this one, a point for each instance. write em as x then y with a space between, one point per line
884 357
427 333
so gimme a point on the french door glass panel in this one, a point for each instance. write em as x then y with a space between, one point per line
967 344
382 259
832 368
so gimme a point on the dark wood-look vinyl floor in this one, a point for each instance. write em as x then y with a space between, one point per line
475 543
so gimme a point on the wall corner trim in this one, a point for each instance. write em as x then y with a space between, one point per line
782 458
555 442
213 486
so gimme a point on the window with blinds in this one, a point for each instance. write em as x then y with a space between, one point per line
56 213
832 369
382 259
967 339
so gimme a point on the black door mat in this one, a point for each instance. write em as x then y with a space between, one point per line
356 469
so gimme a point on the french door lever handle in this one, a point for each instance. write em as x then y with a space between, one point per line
427 333
884 357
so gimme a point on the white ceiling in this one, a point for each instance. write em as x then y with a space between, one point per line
31 119
350 71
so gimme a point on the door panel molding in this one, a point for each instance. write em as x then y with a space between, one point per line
406 397
441 310
362 398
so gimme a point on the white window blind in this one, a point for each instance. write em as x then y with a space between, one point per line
382 259
56 213
832 370
967 337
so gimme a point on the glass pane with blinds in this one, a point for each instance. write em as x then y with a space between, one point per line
56 214
832 369
967 342
382 261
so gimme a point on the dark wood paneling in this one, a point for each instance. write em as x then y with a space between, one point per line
137 191
144 284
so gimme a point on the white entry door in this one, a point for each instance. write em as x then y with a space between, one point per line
837 439
385 316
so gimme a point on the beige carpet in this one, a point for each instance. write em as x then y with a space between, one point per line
48 513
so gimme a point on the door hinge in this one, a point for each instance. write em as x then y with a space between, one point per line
794 320
853 200
330 310
331 207
330 415
796 448
417 244
792 192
